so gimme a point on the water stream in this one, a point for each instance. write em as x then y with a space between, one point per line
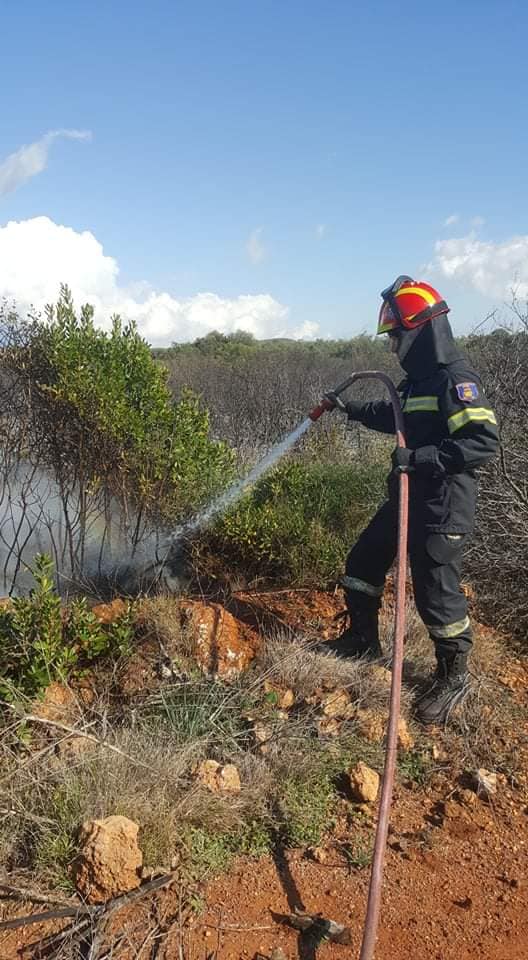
230 497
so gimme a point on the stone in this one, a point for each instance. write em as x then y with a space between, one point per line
218 778
110 612
328 726
371 725
364 783
337 704
86 690
262 731
58 704
468 798
207 774
486 783
75 748
405 737
109 860
319 854
452 810
382 675
223 646
229 779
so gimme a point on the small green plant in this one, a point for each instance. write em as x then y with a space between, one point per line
55 846
357 854
90 638
209 853
32 645
415 766
212 852
41 642
305 810
254 840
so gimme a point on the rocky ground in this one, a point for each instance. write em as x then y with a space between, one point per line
456 882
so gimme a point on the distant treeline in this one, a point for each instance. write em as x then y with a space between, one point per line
258 390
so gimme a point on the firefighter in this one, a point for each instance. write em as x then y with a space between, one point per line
450 431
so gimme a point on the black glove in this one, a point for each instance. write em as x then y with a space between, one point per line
402 460
335 400
354 409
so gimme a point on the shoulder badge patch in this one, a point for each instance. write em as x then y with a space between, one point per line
467 392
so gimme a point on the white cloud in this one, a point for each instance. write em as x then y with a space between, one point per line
37 255
32 159
450 221
307 331
255 248
494 269
320 230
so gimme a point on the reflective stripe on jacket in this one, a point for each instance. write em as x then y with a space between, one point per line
453 431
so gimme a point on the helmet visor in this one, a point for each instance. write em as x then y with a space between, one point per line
387 321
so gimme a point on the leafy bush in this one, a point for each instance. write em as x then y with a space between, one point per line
40 642
299 521
91 439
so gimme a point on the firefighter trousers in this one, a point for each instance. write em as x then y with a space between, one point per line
435 561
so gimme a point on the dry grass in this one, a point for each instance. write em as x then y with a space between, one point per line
46 792
159 619
306 670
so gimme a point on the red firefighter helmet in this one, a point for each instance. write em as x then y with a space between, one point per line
409 303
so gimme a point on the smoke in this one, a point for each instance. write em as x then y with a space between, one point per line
92 545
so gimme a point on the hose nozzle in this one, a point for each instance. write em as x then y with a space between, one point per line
320 409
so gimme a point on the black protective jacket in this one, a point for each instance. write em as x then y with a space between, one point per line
448 423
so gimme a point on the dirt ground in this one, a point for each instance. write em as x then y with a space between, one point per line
456 873
456 888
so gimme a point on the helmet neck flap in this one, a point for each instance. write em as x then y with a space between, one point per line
422 351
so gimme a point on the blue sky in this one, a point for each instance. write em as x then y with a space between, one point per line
286 158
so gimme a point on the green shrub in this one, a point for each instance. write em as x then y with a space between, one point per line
40 642
95 416
299 521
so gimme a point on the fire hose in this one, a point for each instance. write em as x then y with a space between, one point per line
376 877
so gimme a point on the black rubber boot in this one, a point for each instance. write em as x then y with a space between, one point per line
361 636
450 686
